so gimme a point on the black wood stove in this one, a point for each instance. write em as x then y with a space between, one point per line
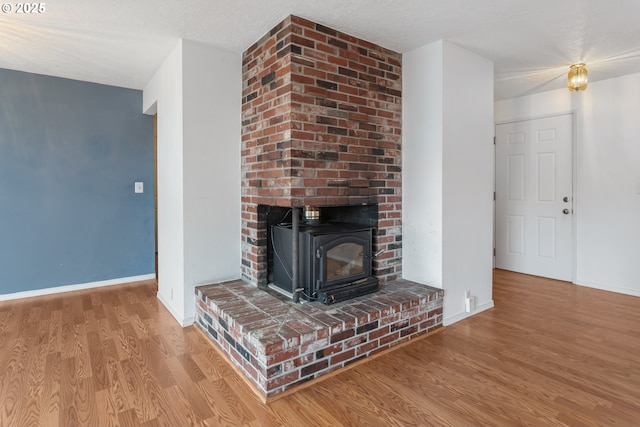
334 261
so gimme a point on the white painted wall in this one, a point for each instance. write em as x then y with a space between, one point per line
163 94
448 173
422 101
607 204
212 90
468 165
197 95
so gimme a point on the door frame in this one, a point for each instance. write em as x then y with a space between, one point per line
574 177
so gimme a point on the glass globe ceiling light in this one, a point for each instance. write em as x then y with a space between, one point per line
577 78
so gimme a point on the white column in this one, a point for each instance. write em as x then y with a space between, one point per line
448 173
196 93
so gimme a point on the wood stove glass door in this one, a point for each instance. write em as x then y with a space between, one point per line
344 259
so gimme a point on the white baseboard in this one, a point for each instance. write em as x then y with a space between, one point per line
183 321
609 288
78 287
448 320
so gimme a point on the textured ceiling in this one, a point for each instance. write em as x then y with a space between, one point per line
122 42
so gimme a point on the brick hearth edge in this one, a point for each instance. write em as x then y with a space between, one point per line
279 345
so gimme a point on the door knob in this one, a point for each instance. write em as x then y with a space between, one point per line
565 211
565 199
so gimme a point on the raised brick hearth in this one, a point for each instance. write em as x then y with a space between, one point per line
278 344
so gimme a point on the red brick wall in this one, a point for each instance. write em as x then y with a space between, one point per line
321 126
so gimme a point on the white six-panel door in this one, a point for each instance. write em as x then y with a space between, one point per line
534 205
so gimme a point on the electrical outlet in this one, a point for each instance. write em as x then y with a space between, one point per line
138 187
469 304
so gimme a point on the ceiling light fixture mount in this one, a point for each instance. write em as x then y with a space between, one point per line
577 77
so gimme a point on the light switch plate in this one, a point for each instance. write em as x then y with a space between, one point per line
138 187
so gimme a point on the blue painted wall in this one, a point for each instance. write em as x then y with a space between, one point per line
70 153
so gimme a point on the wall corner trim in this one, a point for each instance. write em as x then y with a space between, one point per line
448 320
183 321
76 287
609 288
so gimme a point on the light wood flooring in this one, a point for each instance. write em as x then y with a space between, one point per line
549 353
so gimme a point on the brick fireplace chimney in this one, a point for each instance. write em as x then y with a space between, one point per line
321 127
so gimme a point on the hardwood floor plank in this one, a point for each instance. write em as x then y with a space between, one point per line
156 363
11 389
145 408
90 322
347 396
398 402
87 303
228 408
549 353
84 401
212 364
36 362
81 351
128 418
54 341
288 411
181 408
106 409
191 368
98 363
50 399
68 384
7 314
98 310
118 390
110 315
188 389
139 326
168 415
